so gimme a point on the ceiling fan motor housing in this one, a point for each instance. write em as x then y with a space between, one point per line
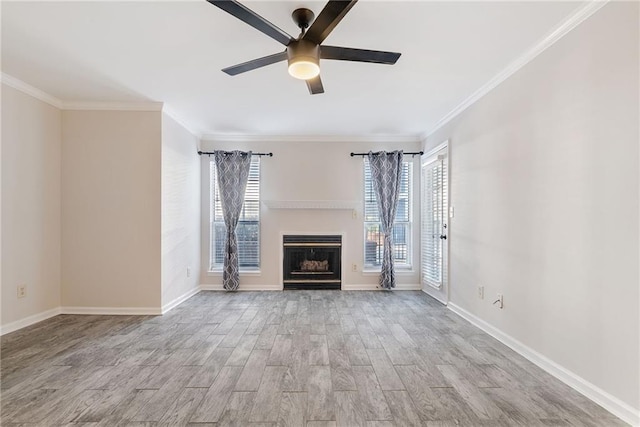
303 57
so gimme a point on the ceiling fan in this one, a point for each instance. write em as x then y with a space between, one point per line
303 53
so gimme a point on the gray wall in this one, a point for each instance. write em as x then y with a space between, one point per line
544 181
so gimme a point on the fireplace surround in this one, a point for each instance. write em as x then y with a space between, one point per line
312 261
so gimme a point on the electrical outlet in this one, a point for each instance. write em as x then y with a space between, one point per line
188 271
481 292
354 267
22 291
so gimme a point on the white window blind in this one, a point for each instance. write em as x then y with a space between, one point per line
374 238
248 231
434 222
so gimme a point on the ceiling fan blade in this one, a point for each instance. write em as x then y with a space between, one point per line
255 63
360 55
315 85
330 16
250 17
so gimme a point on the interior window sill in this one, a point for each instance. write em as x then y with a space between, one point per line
399 272
242 273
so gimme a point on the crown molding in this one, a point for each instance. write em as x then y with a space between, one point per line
178 119
30 90
93 106
311 138
77 105
571 22
112 106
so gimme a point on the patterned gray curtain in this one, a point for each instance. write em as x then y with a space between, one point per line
386 169
233 172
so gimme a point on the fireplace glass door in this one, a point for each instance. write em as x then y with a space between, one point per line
312 262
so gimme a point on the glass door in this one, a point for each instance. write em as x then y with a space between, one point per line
434 224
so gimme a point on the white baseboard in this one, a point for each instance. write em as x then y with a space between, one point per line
211 288
359 287
219 287
345 287
113 311
28 321
177 301
372 287
609 402
437 298
408 287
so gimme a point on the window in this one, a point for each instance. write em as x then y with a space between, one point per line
248 230
374 238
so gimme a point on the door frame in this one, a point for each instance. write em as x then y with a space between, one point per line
441 296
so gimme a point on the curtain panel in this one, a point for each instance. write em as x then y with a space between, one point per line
233 172
386 170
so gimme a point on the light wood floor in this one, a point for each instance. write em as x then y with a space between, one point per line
296 358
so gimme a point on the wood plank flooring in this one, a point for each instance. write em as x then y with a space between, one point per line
294 358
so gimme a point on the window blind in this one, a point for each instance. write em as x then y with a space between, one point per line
374 237
434 217
248 231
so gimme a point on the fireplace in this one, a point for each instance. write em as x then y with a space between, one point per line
311 262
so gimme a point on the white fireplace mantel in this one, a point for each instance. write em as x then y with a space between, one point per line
313 204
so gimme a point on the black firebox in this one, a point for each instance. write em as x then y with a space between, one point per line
312 262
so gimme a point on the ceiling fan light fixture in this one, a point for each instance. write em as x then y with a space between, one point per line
304 59
303 69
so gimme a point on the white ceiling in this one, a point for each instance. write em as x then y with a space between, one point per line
172 52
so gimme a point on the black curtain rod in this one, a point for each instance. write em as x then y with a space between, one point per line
208 153
409 153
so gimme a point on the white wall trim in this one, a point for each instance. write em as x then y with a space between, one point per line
398 272
31 90
211 287
434 150
434 296
20 85
408 287
345 287
311 138
593 392
28 321
113 311
359 287
179 300
218 287
375 287
220 273
112 106
549 40
260 287
176 117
